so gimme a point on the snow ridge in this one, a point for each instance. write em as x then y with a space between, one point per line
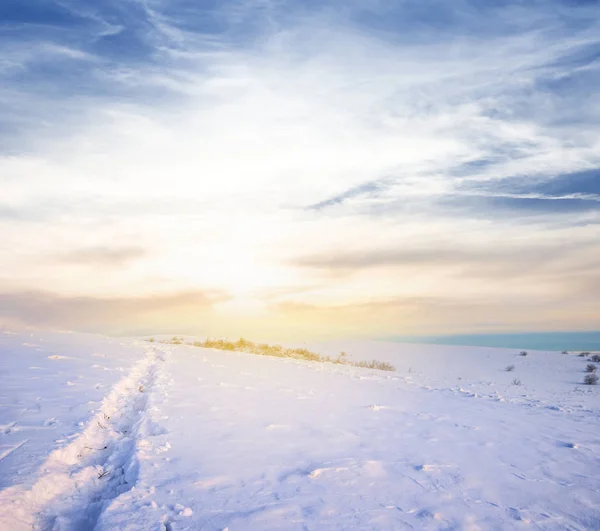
78 481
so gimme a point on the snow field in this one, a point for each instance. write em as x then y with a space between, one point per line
191 438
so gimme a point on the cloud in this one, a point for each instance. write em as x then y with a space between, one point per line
120 315
8 213
198 313
495 261
583 184
369 188
104 256
432 315
440 256
498 204
175 146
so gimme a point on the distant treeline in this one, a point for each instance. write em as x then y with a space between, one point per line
277 351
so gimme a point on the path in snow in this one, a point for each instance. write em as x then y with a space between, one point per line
50 385
79 480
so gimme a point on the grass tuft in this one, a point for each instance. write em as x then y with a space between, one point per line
277 351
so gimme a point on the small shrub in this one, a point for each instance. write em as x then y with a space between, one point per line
584 354
595 358
381 365
151 340
516 381
510 368
565 351
590 368
523 353
590 379
342 358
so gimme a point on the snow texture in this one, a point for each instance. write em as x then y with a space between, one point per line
107 434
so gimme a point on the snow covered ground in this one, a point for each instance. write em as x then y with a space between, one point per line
102 433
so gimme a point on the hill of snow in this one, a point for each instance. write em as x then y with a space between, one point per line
103 433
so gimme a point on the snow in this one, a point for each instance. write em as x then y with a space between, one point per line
103 433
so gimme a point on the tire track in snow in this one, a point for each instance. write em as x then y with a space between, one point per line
78 481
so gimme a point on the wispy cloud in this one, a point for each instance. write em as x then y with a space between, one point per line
180 146
129 315
521 255
365 189
104 256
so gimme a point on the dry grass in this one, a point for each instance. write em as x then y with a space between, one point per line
374 364
277 351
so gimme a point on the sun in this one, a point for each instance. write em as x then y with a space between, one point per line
237 272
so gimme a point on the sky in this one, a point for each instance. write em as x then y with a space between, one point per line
298 169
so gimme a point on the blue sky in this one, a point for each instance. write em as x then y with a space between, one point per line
409 167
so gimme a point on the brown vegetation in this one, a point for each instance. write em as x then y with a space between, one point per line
263 349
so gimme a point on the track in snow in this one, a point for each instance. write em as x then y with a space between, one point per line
78 481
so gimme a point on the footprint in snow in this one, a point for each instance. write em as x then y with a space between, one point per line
7 428
424 513
564 444
514 513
